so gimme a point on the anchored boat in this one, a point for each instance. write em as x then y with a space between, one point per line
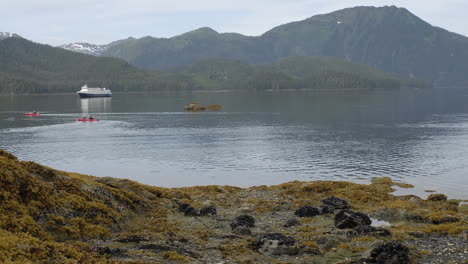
32 114
87 92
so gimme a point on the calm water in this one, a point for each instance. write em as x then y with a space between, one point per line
420 137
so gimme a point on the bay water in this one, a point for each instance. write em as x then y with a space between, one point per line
258 138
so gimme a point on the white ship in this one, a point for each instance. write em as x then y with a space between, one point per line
94 92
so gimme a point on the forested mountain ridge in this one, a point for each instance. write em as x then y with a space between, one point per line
28 67
389 38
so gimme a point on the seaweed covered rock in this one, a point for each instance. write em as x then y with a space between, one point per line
292 222
335 203
350 219
194 107
209 210
435 197
276 244
243 220
391 253
370 230
307 211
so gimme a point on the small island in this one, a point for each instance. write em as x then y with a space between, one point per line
51 216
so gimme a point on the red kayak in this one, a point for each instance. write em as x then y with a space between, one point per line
32 114
87 120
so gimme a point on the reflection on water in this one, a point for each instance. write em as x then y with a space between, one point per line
96 105
419 137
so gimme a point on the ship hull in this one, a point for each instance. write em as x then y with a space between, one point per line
87 95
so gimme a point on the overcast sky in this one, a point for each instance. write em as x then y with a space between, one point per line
57 22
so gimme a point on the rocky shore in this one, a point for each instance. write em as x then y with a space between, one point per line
50 216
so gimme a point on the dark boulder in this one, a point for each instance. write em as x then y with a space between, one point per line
391 253
336 203
183 207
209 210
292 222
326 209
350 219
243 220
307 211
190 211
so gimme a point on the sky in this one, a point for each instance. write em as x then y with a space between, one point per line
58 22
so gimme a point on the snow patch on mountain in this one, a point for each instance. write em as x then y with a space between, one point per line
5 35
86 48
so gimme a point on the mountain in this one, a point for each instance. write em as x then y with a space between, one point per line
203 43
5 35
28 67
389 38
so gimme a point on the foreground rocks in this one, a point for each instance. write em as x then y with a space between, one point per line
49 216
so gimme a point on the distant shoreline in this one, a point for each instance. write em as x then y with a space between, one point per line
214 91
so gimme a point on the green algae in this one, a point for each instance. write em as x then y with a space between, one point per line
53 216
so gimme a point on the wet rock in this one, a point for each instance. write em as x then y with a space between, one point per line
307 211
243 220
350 219
132 239
437 197
326 209
445 219
183 207
390 253
113 252
336 203
242 231
209 210
155 247
292 222
369 230
190 211
276 244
